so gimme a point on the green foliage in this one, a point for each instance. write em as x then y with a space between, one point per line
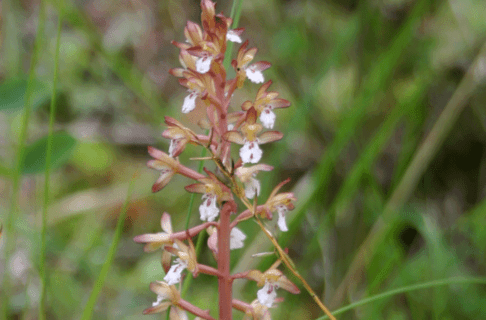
367 81
12 94
63 145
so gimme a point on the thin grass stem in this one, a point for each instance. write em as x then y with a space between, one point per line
90 305
9 236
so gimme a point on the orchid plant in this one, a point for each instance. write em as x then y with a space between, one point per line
205 78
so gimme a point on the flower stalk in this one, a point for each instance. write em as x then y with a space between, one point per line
204 76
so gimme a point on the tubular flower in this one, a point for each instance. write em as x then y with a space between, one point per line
271 280
244 70
257 312
167 295
282 203
251 152
247 176
213 191
265 102
165 164
186 260
209 44
155 241
179 135
175 271
198 85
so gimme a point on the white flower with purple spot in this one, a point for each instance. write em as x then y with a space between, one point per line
189 102
267 117
208 210
267 294
255 76
175 271
203 64
250 152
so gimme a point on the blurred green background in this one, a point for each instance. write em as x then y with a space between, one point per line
384 142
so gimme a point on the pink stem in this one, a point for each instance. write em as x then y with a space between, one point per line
191 232
240 305
202 268
225 280
194 310
244 215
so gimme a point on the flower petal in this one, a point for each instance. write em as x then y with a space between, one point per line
281 218
174 274
269 136
163 180
152 237
266 295
235 137
233 36
250 152
165 223
203 64
267 117
208 210
252 188
237 238
189 103
255 76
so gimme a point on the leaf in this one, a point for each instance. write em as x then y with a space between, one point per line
12 94
35 155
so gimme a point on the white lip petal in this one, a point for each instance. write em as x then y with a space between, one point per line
252 188
175 271
233 37
255 76
208 210
250 152
266 295
282 224
237 238
203 64
189 103
267 117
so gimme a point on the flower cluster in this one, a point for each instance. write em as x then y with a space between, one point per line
205 77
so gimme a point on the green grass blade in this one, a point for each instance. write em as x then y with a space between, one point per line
10 219
370 153
90 305
52 114
377 81
419 286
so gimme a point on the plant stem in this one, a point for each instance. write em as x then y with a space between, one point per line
10 237
225 280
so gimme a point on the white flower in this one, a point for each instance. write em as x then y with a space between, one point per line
203 64
252 187
232 36
267 117
267 294
250 152
208 210
236 238
189 102
174 274
282 210
255 76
